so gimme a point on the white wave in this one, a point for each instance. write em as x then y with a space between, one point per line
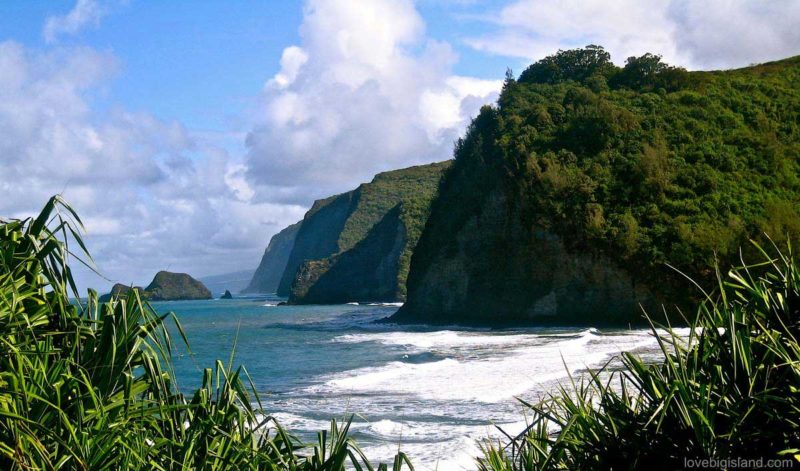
269 305
428 409
298 422
441 339
454 454
499 374
444 447
353 304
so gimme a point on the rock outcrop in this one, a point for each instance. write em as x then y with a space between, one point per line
498 271
273 262
168 286
226 295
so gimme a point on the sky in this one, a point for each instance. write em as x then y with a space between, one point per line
187 133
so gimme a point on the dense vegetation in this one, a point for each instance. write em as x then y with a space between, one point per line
726 394
90 385
653 162
647 163
338 224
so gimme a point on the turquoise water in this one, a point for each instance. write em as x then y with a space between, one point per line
431 392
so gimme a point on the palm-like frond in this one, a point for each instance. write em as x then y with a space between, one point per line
89 385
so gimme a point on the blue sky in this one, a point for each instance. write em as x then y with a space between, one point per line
187 133
198 62
204 63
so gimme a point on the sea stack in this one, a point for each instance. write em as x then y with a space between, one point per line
167 286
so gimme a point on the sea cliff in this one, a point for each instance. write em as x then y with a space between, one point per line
589 189
357 246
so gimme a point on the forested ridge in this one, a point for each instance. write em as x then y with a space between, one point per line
646 164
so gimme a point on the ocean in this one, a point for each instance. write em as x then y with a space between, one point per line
431 392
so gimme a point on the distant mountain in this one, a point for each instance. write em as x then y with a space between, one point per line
268 274
357 246
166 286
234 281
568 199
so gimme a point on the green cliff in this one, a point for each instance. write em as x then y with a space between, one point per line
273 262
357 246
568 199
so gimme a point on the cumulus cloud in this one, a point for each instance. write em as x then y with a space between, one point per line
153 195
365 91
84 13
698 35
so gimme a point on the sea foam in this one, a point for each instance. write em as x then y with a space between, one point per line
480 367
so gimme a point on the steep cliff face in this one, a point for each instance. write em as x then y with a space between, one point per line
567 201
318 236
498 270
273 262
357 246
370 271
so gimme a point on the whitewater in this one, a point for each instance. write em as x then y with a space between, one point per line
432 393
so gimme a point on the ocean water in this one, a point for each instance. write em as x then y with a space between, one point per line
431 392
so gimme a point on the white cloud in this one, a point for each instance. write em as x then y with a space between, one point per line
709 34
152 194
84 13
721 34
291 60
365 91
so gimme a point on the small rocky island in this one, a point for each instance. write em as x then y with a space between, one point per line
227 295
166 286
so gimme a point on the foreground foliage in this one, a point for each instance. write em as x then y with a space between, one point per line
90 385
727 392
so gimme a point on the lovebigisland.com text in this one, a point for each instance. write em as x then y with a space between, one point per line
740 463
